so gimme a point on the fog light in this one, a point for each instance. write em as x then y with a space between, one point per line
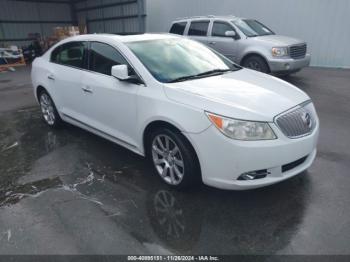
258 174
287 66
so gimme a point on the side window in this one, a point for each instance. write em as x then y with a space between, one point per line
198 28
103 57
178 28
70 54
219 29
55 55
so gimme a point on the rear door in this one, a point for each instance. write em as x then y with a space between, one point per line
198 30
226 45
68 61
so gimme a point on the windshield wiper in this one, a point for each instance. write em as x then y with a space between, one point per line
214 71
207 73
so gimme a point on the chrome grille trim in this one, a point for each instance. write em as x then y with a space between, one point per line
295 123
297 51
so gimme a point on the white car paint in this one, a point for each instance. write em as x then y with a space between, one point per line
121 111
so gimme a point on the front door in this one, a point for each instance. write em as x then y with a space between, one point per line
110 104
226 45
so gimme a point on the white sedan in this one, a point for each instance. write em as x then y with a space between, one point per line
196 115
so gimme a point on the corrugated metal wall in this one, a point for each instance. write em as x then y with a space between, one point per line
101 16
324 24
30 12
112 16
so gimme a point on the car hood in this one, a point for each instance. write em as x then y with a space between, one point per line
278 40
243 94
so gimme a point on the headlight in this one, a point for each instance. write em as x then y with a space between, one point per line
279 51
242 130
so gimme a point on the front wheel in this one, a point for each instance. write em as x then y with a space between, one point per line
256 63
173 158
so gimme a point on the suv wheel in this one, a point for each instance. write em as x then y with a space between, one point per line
256 63
48 110
173 158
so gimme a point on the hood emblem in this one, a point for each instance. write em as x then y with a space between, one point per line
306 118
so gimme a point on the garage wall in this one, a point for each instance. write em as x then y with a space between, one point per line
18 18
324 24
112 16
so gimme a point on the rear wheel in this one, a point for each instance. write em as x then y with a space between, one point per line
173 158
256 63
48 110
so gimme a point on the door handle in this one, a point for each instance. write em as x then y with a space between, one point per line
87 89
51 77
212 43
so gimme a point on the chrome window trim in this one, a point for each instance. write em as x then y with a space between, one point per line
90 71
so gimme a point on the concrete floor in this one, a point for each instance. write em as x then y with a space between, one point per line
70 192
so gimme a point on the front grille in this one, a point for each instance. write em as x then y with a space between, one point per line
297 51
294 164
297 123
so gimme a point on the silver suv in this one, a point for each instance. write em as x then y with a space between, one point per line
246 42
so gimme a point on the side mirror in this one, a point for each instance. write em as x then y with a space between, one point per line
230 34
121 72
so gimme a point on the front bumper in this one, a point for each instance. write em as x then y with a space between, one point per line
223 159
288 65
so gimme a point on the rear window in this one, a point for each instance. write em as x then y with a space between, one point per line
178 28
70 54
198 28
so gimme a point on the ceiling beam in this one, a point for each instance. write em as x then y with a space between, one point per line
50 1
35 22
105 5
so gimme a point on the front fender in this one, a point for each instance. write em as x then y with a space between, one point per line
185 118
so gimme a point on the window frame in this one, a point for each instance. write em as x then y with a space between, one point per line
181 22
238 35
224 23
120 52
198 21
85 57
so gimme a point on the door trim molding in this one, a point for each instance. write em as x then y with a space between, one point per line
117 140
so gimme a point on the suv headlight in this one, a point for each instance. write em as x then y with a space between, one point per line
279 51
242 130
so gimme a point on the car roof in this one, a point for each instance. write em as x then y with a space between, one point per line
119 38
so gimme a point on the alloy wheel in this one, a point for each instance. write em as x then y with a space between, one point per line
47 109
167 159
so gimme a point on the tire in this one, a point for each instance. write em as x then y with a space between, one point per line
173 158
49 111
256 63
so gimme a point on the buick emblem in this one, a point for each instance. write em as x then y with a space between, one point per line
306 118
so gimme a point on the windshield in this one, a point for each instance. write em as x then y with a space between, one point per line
178 59
252 28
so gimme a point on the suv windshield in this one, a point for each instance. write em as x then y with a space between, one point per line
177 59
252 28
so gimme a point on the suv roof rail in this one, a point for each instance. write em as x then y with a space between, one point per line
196 16
180 18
